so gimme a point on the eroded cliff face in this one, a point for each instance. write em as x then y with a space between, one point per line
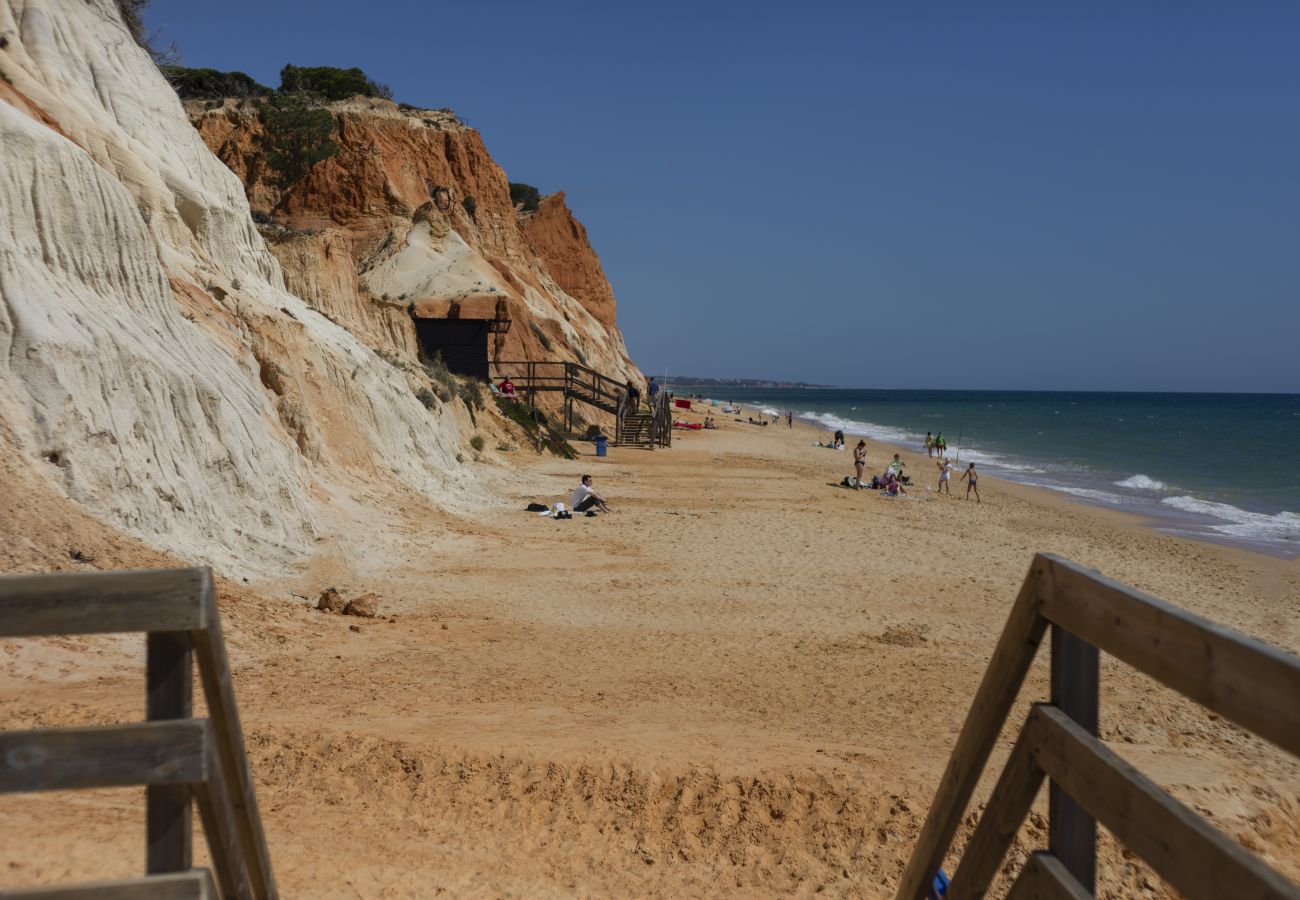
158 363
414 211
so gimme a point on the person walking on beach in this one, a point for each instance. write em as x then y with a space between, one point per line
929 444
970 473
859 463
945 472
940 444
633 397
585 497
789 418
652 390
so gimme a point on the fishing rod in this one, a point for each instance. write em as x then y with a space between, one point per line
961 430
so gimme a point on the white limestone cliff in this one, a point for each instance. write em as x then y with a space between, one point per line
152 363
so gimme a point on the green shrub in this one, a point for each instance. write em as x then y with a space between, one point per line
211 84
525 194
425 396
471 392
538 429
299 134
444 383
330 83
477 443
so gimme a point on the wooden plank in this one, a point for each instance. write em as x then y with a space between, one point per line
997 691
1071 832
195 884
169 820
1197 860
1239 678
102 602
1045 877
222 831
142 753
218 690
1014 794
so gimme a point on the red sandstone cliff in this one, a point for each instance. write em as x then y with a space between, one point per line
414 211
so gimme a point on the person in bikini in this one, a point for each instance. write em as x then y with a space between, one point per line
970 474
945 472
859 462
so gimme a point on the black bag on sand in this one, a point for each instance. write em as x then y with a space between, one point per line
537 507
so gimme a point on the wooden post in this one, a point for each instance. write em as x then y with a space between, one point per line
168 823
1072 833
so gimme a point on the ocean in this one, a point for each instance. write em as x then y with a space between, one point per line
1213 467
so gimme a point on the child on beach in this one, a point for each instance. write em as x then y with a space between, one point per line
945 472
970 473
859 462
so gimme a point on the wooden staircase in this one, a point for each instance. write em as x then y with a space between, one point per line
1241 679
578 383
175 756
636 430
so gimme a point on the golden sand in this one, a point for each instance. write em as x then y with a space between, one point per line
746 680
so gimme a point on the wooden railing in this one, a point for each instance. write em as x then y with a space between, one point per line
663 420
178 758
1243 680
573 380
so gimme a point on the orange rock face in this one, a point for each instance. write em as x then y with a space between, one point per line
560 241
413 213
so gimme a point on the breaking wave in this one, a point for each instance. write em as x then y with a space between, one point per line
1142 483
1241 523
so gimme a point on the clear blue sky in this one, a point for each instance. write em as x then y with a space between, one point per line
995 195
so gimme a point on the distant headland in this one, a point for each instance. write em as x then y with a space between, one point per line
688 381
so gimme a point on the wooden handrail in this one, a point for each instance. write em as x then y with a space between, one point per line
1242 679
176 756
196 884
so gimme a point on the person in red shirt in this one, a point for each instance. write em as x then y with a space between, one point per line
507 387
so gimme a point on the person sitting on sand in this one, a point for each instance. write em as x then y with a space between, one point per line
970 486
507 387
709 423
839 439
585 497
945 472
891 484
860 462
929 444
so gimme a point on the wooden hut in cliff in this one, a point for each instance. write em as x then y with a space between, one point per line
461 330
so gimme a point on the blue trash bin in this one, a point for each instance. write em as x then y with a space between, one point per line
601 443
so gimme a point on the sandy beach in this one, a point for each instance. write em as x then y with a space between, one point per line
746 680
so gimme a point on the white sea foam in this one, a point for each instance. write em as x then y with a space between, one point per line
1141 482
1236 522
1107 497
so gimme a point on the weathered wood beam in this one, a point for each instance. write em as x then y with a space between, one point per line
142 753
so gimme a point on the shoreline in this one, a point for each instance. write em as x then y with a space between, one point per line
1171 521
881 451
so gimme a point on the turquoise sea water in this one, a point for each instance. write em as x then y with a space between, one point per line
1211 466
